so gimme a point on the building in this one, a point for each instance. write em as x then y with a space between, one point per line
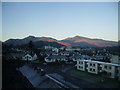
55 49
34 78
96 67
55 58
99 57
13 56
79 57
72 49
115 59
48 47
65 53
30 57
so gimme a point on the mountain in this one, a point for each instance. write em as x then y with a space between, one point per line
48 39
38 41
71 41
83 41
18 42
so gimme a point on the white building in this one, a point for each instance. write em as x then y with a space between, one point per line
96 67
79 57
55 49
72 49
115 59
30 57
55 58
48 47
65 53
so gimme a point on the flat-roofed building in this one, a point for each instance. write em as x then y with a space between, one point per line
96 67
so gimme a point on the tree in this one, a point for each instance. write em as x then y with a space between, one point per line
31 46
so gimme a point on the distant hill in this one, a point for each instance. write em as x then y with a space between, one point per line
83 41
72 41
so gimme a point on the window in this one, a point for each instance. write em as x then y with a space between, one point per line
81 67
94 70
117 71
81 62
105 66
93 64
109 74
29 58
109 67
90 69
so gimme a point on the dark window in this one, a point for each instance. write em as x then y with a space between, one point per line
105 66
94 70
81 67
109 74
90 69
109 67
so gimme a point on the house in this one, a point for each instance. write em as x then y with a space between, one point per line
55 49
99 57
115 59
62 48
55 53
50 48
30 57
65 53
55 58
79 57
75 57
72 49
48 53
17 55
96 67
14 56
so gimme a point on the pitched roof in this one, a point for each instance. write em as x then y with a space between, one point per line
35 79
57 56
80 56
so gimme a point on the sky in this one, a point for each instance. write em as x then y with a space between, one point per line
60 20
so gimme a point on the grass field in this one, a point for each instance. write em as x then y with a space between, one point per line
93 79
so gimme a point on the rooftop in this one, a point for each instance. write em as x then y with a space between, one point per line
91 61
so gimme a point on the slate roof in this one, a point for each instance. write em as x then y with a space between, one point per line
35 79
56 56
80 56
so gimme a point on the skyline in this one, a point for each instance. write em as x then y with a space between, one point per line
60 20
58 39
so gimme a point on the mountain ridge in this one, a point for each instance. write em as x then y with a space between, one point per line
70 41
